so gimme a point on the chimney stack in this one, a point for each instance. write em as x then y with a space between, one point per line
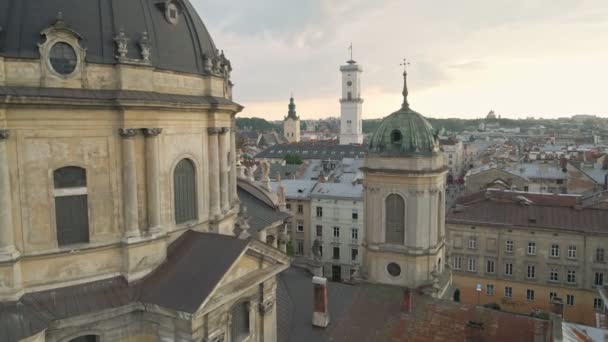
557 306
406 307
320 315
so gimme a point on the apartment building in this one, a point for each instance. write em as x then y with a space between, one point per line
521 250
337 223
297 201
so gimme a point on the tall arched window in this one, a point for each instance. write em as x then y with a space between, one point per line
71 209
184 185
240 322
395 219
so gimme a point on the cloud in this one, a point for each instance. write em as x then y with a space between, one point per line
464 47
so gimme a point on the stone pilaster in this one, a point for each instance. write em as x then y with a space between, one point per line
214 173
224 175
234 198
153 177
129 183
7 239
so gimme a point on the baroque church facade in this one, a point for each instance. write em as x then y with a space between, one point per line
118 185
404 196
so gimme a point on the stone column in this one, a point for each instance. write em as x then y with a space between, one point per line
7 240
129 182
214 173
153 177
234 198
224 184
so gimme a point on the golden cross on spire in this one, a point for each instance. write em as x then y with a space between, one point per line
405 64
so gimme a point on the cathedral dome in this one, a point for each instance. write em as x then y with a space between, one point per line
405 132
176 35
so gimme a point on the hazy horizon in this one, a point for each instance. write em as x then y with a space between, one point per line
519 58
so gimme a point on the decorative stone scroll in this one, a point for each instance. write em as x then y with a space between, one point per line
216 338
127 133
266 307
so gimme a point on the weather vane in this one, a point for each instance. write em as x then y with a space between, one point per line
405 64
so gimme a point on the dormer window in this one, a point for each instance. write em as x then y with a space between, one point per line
396 137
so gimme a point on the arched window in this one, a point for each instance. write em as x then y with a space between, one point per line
395 219
71 209
240 322
349 96
184 185
396 137
86 338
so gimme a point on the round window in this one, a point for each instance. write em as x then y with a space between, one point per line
393 269
172 13
63 58
349 83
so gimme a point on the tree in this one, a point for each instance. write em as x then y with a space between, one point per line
293 159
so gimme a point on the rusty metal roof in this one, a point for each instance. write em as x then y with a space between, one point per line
533 211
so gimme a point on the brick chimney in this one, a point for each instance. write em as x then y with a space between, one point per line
320 315
406 306
557 306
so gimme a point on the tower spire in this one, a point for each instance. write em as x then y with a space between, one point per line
350 49
405 104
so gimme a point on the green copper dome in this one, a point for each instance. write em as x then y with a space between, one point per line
405 132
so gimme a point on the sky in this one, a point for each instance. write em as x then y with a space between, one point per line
520 58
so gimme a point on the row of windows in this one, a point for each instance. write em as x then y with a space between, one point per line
598 277
354 252
71 204
554 250
531 296
354 215
354 232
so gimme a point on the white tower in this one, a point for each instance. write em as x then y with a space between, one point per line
351 103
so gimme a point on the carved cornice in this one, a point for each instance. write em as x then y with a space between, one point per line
4 134
214 130
151 132
127 133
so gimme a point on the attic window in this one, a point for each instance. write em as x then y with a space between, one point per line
396 137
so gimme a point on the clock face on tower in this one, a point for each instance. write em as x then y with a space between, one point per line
349 83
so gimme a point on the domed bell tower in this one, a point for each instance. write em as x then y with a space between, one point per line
291 124
404 196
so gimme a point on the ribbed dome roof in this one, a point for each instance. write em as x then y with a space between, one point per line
405 132
177 46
